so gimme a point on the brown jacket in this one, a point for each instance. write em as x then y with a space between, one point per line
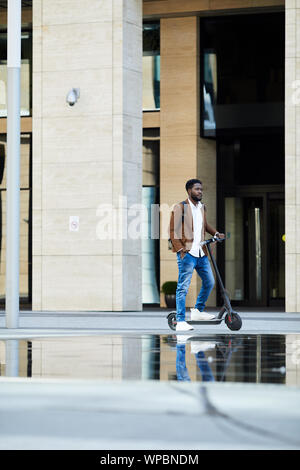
181 227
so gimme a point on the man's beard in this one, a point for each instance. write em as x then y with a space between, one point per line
196 198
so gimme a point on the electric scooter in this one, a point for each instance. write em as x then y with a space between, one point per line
232 318
224 346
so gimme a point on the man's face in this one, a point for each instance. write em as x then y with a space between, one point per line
196 192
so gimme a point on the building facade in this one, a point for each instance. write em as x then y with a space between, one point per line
168 91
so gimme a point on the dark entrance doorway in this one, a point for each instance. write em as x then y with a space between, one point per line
251 212
254 251
242 108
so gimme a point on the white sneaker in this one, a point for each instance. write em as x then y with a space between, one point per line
197 346
198 316
183 326
182 339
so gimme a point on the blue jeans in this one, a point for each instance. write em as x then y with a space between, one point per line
181 369
186 268
204 367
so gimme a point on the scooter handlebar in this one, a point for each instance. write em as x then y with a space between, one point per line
213 240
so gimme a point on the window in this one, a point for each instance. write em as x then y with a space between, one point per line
150 242
25 217
242 74
209 92
151 66
26 61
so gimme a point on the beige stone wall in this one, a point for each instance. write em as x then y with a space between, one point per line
13 358
100 358
292 155
184 155
178 125
85 155
292 350
103 357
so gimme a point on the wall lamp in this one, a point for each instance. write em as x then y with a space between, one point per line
73 96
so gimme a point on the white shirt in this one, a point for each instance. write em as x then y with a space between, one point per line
196 249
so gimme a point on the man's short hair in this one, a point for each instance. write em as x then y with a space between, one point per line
190 183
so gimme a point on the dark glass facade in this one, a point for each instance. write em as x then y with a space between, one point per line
151 66
242 82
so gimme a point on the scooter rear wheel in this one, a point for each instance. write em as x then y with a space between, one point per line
172 321
233 321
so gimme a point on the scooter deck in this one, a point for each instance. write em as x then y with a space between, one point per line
172 321
216 321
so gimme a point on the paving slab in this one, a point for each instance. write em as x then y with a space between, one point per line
149 321
70 414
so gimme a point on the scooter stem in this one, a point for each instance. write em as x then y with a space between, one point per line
223 292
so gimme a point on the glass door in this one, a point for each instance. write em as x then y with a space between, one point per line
253 236
254 249
244 255
276 244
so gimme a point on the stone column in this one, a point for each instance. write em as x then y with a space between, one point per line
292 155
184 155
86 155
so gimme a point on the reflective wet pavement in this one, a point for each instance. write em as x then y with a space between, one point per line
103 380
271 359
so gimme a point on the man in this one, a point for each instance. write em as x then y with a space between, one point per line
188 225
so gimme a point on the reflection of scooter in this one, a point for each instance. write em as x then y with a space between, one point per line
232 319
224 350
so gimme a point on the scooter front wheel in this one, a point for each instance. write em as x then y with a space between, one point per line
172 320
233 321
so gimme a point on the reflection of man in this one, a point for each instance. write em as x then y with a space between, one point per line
188 226
197 348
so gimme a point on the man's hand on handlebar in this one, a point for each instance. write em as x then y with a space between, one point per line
219 235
